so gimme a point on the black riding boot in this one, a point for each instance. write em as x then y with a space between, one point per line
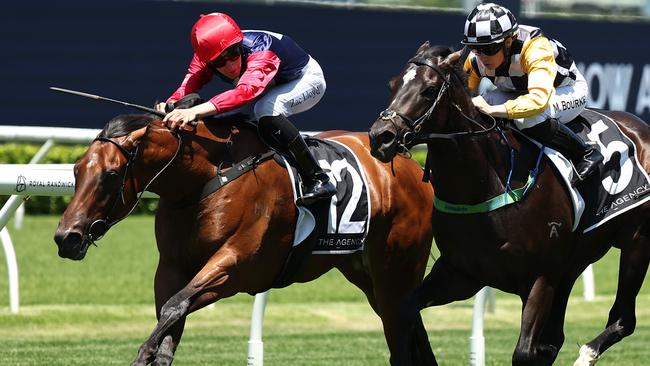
559 137
316 184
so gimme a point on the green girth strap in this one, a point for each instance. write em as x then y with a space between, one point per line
486 206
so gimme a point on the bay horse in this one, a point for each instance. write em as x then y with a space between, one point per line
238 238
508 248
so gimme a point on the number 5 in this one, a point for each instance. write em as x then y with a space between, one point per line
625 163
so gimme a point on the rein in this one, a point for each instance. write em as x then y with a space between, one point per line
413 138
99 227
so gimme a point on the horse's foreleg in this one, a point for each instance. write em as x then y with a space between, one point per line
174 309
384 294
212 276
553 333
442 285
633 266
420 347
168 281
536 311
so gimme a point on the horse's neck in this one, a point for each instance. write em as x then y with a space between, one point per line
231 143
468 169
205 152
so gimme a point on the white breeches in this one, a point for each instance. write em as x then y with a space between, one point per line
294 96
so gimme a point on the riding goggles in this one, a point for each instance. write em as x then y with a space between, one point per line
230 54
487 50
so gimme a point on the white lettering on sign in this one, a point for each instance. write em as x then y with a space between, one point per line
614 82
643 98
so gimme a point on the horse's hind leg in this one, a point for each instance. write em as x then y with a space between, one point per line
633 266
384 294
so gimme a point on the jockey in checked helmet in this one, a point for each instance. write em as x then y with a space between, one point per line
537 82
269 71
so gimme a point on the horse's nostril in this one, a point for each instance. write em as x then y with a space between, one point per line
58 237
67 241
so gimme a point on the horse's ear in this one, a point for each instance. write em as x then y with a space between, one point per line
425 46
451 60
137 134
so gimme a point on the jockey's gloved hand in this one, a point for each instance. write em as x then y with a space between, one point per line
187 101
164 107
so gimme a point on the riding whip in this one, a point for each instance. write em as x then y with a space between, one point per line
97 97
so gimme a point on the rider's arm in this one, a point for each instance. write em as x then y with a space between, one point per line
473 80
198 74
538 61
261 67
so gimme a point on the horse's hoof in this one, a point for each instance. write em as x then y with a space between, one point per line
165 353
588 357
548 352
143 358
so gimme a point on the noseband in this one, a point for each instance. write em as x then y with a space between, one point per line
414 137
99 227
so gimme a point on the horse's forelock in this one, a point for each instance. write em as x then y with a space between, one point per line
124 124
441 52
436 51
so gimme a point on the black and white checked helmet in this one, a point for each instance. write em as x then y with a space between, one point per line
489 23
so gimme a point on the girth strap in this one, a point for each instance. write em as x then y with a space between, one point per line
236 171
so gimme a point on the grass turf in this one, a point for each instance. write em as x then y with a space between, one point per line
98 311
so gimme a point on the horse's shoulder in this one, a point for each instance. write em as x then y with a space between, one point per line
356 142
331 133
352 140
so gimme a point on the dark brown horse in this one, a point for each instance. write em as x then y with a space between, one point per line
238 238
508 248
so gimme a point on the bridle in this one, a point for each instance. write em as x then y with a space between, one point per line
414 137
99 227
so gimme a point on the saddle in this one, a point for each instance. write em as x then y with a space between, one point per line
620 183
336 226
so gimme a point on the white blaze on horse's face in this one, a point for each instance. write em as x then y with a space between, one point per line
410 75
92 161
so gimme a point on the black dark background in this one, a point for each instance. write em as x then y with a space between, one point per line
138 51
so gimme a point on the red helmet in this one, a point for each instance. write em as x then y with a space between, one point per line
212 34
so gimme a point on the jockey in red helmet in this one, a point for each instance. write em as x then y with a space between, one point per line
271 73
214 33
537 82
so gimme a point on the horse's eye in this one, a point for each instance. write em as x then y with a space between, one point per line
109 179
110 174
430 92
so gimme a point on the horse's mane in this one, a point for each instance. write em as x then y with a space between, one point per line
443 51
124 124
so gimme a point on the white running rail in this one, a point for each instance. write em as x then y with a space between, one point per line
23 180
